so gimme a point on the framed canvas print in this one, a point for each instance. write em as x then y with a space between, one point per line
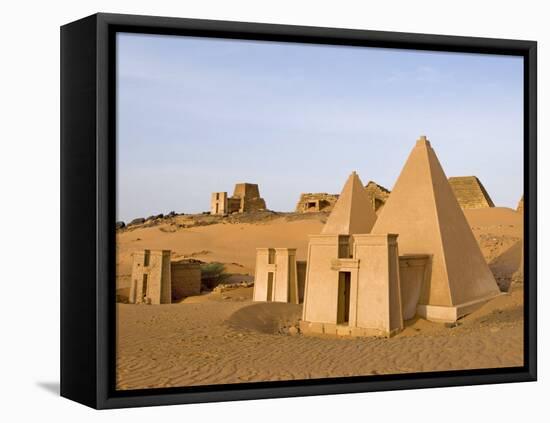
258 211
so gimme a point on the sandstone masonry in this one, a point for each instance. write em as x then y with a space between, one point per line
157 280
246 198
316 202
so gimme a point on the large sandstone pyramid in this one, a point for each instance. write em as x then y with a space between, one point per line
353 212
470 192
423 210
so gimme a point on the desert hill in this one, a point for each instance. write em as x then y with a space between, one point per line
233 240
224 337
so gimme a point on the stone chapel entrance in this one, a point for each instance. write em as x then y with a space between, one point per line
270 286
344 291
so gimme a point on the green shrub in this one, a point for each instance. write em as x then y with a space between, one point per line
212 274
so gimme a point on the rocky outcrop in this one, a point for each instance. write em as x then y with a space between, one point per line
316 202
378 194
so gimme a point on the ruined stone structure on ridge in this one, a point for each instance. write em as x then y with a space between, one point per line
185 278
316 202
470 192
157 280
278 277
423 210
321 201
352 279
246 198
378 194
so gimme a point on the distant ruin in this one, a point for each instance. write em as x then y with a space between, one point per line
378 194
316 202
321 201
470 192
278 277
158 280
245 198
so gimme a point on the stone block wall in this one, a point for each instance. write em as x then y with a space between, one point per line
246 190
249 204
470 192
246 198
186 279
378 194
234 205
316 202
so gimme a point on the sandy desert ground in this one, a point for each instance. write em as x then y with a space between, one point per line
226 338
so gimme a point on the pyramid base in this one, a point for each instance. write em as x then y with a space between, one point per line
308 328
450 314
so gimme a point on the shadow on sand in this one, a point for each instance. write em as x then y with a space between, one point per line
51 387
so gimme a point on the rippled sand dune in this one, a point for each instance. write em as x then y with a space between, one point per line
231 341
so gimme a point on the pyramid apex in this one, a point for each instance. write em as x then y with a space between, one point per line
423 141
353 212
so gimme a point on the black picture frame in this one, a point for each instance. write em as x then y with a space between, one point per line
88 209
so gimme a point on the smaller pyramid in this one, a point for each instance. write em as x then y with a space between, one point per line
470 192
353 212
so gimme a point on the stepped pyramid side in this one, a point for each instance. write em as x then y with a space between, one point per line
423 210
353 212
470 192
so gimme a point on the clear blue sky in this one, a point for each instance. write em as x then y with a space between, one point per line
197 115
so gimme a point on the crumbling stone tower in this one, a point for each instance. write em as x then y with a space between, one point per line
246 198
378 193
249 194
316 202
219 203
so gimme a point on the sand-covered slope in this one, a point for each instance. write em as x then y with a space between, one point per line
234 340
234 242
499 232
